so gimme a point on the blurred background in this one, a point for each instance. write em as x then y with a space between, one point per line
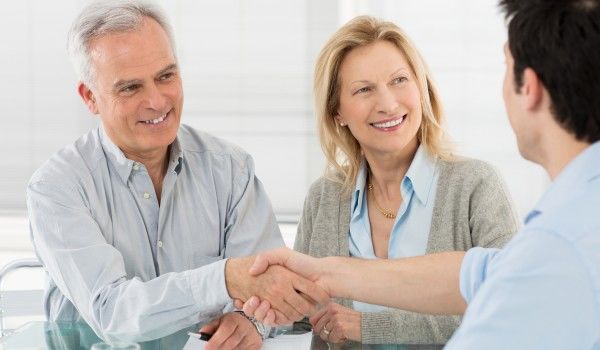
247 71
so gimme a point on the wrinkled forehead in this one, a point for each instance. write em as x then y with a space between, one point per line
143 51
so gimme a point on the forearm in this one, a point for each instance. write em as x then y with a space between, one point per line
138 311
425 284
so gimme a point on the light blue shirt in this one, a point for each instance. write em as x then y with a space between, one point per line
542 291
410 232
128 267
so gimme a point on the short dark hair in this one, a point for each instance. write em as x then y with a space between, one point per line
560 41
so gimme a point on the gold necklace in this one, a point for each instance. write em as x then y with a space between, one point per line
386 212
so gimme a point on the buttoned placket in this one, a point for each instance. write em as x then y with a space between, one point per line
143 189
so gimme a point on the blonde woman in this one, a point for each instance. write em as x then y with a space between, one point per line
392 188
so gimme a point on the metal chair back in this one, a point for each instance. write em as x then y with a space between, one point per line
18 302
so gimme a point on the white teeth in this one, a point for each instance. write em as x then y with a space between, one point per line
157 120
389 124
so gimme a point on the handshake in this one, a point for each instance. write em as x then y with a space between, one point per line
277 287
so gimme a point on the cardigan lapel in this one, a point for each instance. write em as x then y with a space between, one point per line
344 223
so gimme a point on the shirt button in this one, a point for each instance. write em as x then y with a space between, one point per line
146 195
136 166
159 244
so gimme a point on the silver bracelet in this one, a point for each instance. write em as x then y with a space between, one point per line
260 328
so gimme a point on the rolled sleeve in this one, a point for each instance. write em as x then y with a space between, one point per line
473 270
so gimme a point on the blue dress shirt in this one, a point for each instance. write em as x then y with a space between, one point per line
413 221
542 291
129 267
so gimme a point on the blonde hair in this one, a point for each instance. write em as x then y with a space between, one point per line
341 149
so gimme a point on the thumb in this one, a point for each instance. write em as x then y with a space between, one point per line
264 260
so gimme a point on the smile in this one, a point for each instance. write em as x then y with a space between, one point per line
156 121
387 124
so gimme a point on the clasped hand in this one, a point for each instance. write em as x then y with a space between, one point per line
290 296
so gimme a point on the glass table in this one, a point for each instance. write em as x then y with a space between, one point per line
79 336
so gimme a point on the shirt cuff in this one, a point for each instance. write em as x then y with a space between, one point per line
473 270
207 284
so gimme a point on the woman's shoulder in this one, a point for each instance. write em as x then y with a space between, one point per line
326 186
467 169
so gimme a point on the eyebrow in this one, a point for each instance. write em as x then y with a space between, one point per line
391 75
122 83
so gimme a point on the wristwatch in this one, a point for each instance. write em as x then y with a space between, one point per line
260 328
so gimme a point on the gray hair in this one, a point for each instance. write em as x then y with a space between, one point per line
103 17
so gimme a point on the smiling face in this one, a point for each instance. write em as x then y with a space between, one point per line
137 91
379 99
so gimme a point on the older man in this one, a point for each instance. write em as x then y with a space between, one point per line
542 291
134 220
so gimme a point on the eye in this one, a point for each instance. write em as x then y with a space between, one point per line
166 76
362 90
399 80
130 89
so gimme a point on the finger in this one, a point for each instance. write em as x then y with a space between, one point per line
261 310
238 304
311 289
264 260
320 325
270 318
251 305
211 327
336 336
234 341
281 319
301 305
225 330
286 309
317 315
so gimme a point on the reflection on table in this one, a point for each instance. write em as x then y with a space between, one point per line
76 336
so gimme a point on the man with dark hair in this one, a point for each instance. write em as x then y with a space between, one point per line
542 291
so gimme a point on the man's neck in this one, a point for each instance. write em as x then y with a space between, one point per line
560 150
156 163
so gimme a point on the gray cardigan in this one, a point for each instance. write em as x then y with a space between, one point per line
472 208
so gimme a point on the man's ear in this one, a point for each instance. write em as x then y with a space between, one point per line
532 89
88 97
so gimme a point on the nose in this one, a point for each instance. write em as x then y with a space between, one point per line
387 101
155 98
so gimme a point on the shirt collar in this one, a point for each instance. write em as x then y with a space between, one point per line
574 176
361 181
421 174
176 156
124 166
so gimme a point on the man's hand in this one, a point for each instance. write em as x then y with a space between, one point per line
232 331
335 323
302 264
290 295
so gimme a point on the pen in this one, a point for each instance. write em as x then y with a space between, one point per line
201 335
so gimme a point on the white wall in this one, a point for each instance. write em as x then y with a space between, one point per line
247 70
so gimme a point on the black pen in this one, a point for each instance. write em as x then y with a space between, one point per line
201 335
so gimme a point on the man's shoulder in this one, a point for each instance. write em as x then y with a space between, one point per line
576 217
70 163
196 142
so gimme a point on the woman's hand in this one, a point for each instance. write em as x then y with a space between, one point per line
335 323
